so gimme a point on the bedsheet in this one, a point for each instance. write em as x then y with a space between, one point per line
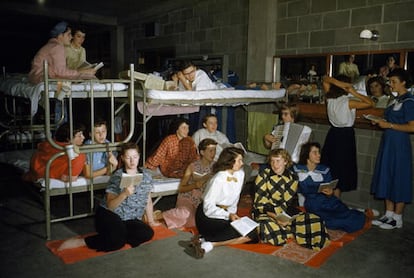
19 86
218 97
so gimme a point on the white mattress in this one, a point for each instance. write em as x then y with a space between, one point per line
216 97
21 160
18 86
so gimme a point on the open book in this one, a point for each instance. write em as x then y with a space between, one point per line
372 117
87 65
199 175
285 218
332 184
244 225
128 180
236 145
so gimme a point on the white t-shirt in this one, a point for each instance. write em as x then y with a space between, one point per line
217 136
201 82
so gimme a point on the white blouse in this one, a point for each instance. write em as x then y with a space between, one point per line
222 194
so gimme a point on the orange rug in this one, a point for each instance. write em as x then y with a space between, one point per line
294 252
70 256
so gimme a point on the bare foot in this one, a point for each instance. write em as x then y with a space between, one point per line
276 85
72 243
155 223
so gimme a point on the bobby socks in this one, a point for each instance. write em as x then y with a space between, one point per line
397 217
207 246
389 214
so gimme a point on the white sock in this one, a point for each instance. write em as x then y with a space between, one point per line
389 214
397 217
207 246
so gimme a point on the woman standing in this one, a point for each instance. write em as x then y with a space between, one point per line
392 179
339 150
275 189
118 219
219 206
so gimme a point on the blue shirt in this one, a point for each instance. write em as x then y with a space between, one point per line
98 160
133 207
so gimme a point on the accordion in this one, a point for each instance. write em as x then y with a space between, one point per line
291 137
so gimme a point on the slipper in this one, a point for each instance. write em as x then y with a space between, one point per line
157 215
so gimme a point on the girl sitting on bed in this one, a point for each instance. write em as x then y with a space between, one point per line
209 130
59 169
118 219
191 188
175 152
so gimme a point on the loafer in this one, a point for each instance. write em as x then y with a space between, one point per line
196 244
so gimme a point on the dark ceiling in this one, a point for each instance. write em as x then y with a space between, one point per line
112 8
25 24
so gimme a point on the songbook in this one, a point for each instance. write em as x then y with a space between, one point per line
332 184
244 225
128 180
372 117
285 218
236 145
98 66
199 175
87 65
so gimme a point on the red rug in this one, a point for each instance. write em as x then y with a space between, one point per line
292 251
70 256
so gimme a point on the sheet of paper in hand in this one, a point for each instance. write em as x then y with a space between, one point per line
332 184
244 225
128 180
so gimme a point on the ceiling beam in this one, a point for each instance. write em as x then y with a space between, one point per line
68 15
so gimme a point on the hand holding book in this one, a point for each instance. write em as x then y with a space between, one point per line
128 180
327 185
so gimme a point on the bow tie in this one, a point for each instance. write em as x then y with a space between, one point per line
229 179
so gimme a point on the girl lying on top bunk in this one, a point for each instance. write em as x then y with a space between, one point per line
60 167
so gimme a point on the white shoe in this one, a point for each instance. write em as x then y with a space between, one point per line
393 224
384 219
375 212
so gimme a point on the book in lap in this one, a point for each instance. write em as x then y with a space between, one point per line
332 184
285 218
128 180
244 225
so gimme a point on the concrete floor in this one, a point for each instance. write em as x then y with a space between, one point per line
377 253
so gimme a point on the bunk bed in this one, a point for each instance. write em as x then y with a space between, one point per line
158 102
119 93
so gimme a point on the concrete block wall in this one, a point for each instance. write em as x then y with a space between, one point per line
368 142
325 26
200 28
